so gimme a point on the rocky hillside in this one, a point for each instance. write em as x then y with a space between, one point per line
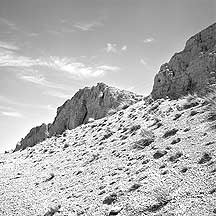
87 104
191 69
149 159
102 157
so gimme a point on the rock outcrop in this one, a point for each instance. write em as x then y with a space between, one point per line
91 103
36 135
189 70
87 104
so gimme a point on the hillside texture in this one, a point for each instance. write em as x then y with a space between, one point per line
111 152
149 159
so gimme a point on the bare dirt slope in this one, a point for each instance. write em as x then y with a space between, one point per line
148 159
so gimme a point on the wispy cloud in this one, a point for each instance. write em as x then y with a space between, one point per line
87 26
8 23
108 68
39 79
10 105
114 48
9 57
11 114
78 69
124 48
8 46
111 48
58 94
148 40
142 61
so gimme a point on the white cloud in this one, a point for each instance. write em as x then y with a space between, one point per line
108 68
8 58
111 48
11 114
148 40
39 79
78 69
87 26
8 23
143 62
124 48
58 94
9 46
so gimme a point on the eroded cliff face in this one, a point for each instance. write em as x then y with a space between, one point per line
88 103
191 69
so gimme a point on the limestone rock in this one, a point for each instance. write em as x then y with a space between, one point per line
36 135
191 69
91 103
87 104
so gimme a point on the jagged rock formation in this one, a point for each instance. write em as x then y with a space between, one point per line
88 103
191 69
36 135
95 102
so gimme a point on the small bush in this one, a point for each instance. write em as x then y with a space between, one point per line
177 116
205 158
134 128
110 199
170 133
176 141
175 157
160 153
50 178
52 211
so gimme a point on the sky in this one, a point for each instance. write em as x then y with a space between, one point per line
49 49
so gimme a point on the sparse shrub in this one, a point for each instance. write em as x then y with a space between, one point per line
189 104
160 153
134 128
52 211
176 141
110 199
175 157
177 116
205 158
134 187
193 113
66 145
50 178
170 133
106 136
125 106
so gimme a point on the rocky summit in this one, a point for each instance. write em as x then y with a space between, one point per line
191 69
111 152
86 105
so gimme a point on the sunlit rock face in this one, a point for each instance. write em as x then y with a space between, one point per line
87 104
91 103
189 70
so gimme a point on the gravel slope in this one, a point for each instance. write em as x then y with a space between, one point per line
155 159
